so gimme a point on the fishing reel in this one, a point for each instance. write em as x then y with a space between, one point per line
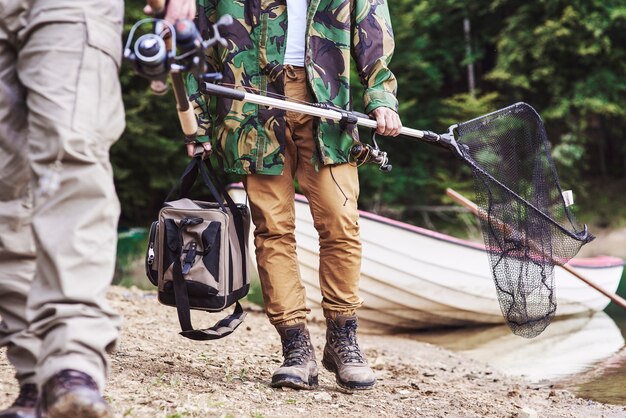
172 48
362 153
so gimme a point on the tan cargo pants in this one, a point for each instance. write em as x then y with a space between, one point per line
60 111
335 217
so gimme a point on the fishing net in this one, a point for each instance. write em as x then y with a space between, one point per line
526 222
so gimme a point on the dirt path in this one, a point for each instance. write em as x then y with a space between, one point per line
156 373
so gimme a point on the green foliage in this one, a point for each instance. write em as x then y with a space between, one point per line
131 247
568 59
565 58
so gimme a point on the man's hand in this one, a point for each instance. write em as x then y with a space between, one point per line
176 9
196 147
388 121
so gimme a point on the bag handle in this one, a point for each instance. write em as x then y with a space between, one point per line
188 179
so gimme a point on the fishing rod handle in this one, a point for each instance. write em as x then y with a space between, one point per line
186 115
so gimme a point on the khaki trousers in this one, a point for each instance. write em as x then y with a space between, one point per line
332 193
60 111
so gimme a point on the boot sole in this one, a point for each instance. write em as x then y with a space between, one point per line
286 381
81 411
76 408
349 386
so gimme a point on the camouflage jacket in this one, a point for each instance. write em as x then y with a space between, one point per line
251 138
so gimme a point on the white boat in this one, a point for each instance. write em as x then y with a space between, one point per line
413 278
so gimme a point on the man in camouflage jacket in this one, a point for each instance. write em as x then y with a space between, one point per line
272 147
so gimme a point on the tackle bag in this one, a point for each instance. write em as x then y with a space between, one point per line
197 254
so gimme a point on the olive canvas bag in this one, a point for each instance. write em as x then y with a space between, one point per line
197 254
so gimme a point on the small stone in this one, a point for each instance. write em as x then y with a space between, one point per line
322 397
527 413
513 394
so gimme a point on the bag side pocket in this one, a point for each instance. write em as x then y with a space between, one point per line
151 260
171 249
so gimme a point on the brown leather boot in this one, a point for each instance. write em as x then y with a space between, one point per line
25 404
343 356
299 370
71 393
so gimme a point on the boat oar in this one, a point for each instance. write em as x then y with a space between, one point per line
472 207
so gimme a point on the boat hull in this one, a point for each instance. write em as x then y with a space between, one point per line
413 278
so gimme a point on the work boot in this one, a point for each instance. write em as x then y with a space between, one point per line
74 394
25 404
343 356
299 370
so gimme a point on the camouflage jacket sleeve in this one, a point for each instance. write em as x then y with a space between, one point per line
199 101
200 108
372 48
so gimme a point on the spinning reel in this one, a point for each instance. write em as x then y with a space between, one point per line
172 48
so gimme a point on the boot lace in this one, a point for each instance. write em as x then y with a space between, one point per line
27 397
296 350
344 341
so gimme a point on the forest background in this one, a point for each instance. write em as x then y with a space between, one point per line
455 60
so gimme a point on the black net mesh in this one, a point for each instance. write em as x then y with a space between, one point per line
526 224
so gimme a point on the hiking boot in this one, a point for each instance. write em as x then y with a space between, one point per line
74 394
299 370
25 404
343 356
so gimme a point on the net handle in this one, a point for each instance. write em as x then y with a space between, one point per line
473 208
307 109
446 140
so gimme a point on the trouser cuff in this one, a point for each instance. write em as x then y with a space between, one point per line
290 322
328 314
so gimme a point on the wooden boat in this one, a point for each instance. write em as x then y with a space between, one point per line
413 278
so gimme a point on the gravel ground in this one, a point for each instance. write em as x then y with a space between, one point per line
157 373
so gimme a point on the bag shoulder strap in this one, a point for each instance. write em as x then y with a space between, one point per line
221 329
